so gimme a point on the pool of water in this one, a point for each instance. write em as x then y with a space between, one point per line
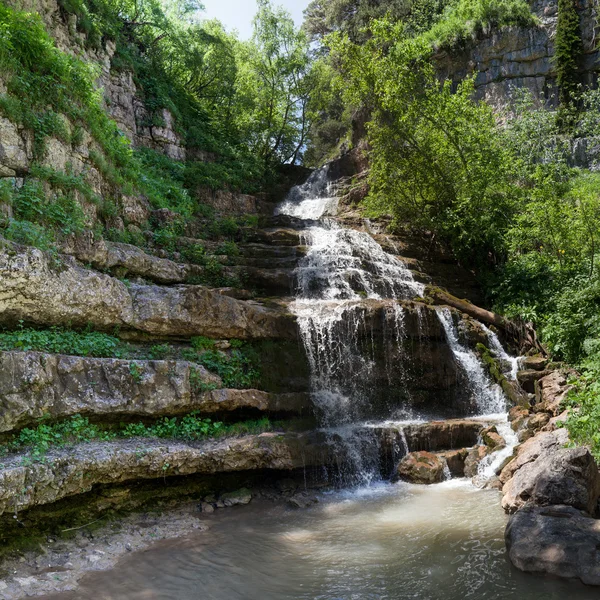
386 542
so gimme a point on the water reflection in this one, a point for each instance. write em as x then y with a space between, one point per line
442 542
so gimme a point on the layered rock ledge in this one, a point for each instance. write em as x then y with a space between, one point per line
37 385
40 289
73 471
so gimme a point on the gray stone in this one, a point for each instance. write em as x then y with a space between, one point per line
555 540
238 497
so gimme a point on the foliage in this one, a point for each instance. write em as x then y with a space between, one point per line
568 49
437 159
465 18
237 369
62 341
77 429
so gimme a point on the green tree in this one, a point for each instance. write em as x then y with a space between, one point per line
568 48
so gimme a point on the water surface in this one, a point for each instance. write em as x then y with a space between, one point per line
442 542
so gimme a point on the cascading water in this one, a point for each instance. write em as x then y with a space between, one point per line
342 270
345 275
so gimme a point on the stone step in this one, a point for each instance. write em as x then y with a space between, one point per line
69 472
38 385
39 289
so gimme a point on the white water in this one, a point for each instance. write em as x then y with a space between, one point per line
488 396
501 353
342 270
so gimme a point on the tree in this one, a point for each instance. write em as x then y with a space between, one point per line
437 159
568 50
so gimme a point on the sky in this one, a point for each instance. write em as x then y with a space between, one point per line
238 14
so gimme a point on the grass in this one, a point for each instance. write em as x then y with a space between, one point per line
38 441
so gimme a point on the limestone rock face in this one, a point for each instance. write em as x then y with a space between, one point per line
442 435
421 467
15 150
546 473
68 472
36 385
35 289
550 393
555 540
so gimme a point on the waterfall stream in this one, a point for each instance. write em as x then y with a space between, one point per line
343 273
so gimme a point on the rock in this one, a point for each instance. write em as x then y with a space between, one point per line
72 471
517 416
492 438
528 378
555 540
550 393
15 150
207 508
442 435
537 421
40 385
302 500
475 456
534 363
238 497
35 289
421 467
546 473
455 459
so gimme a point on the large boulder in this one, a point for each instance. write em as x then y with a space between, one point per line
555 540
564 476
442 435
550 393
421 467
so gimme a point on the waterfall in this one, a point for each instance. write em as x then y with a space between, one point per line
501 353
487 396
342 281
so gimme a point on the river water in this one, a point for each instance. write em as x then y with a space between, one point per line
389 541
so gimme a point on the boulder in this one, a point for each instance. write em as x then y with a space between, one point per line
537 421
559 476
474 457
492 438
550 393
455 459
517 416
528 379
534 363
555 540
421 467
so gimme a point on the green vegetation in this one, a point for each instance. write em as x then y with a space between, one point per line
568 51
76 430
62 341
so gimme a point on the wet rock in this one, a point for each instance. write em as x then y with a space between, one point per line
207 508
475 456
455 459
238 497
555 540
302 500
555 476
442 435
421 467
492 438
73 471
517 415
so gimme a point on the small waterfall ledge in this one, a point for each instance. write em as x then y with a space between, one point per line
371 344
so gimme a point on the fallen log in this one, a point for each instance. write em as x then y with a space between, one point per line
521 333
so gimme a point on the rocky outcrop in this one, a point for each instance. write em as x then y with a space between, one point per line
555 540
69 472
544 473
520 57
37 289
36 385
